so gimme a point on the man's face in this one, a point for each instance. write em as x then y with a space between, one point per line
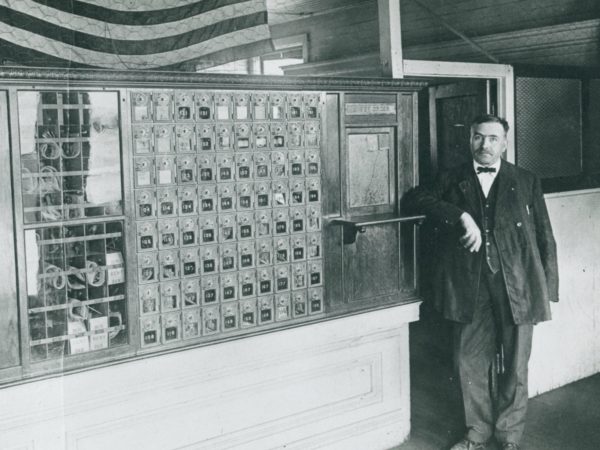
488 141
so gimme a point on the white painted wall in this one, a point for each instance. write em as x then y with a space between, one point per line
340 384
568 347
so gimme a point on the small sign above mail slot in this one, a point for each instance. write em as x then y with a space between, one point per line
370 109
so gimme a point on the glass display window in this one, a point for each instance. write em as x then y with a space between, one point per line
75 281
70 155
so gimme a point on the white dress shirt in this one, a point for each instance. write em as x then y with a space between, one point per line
487 178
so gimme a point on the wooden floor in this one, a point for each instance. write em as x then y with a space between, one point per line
566 418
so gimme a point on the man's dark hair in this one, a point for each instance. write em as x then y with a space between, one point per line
486 118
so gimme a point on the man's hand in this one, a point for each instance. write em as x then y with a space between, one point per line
471 239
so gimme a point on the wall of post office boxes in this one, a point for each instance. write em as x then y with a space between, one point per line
153 218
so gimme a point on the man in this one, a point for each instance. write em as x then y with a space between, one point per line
496 274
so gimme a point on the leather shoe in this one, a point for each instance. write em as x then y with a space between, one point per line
510 446
466 444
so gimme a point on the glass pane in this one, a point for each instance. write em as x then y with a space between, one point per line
75 289
548 131
70 155
369 156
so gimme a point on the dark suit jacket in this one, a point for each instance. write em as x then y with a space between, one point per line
523 235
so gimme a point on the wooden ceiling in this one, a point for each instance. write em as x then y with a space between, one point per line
559 32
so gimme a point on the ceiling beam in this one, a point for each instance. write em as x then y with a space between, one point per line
390 38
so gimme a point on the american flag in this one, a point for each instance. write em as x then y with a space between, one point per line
132 34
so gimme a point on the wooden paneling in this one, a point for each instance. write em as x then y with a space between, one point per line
9 323
341 384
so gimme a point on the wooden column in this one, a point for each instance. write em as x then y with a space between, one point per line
390 38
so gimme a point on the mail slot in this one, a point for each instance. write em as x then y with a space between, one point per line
185 138
164 139
190 292
168 234
148 299
229 286
142 139
141 106
163 106
204 104
184 106
186 169
170 297
167 202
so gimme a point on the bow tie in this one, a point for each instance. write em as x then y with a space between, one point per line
485 170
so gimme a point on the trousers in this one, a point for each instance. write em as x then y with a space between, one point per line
475 347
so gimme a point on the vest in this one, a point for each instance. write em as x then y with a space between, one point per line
488 204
